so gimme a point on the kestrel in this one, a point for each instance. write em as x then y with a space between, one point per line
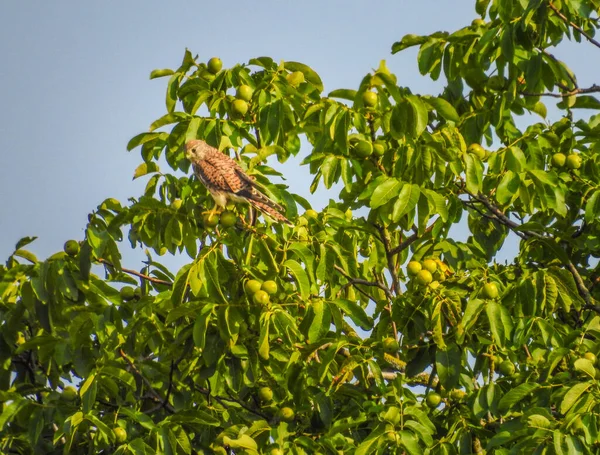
227 181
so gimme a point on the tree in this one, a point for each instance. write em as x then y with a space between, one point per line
320 338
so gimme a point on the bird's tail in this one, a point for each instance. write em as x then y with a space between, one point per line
269 208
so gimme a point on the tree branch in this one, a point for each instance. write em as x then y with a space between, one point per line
136 273
410 240
578 91
572 24
155 394
351 280
390 257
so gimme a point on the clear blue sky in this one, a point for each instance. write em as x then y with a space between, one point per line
74 85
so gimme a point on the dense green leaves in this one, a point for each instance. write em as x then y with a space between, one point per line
319 337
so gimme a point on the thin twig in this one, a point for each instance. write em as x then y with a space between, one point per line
390 257
572 24
351 280
578 91
139 374
410 240
136 273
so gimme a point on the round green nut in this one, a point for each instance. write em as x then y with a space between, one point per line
127 293
390 345
214 65
244 92
362 149
287 414
507 368
120 435
71 247
228 219
210 221
477 150
379 148
559 159
489 291
265 394
430 265
424 277
369 99
413 268
270 287
252 286
433 400
239 108
574 161
261 297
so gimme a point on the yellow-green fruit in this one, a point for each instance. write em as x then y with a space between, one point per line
433 400
369 99
413 268
489 291
239 107
348 215
270 287
559 159
477 150
379 148
120 435
244 92
363 149
574 161
210 220
252 286
478 22
176 204
260 297
287 414
275 451
591 357
424 277
127 293
295 79
265 394
137 293
430 264
228 219
214 65
456 394
311 214
496 83
69 393
390 345
71 247
507 368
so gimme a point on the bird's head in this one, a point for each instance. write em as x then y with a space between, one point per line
196 149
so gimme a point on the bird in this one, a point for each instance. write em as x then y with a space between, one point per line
226 180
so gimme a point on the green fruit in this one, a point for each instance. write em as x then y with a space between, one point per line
252 286
260 297
70 393
275 451
228 219
137 293
311 214
413 268
214 65
496 83
478 22
127 293
270 287
287 414
457 394
265 394
120 435
574 161
477 150
591 357
296 78
433 400
390 345
489 291
244 92
210 220
430 264
239 108
559 159
348 215
363 149
176 204
379 148
71 247
424 277
507 368
369 99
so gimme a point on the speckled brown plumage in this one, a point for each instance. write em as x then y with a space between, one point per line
226 180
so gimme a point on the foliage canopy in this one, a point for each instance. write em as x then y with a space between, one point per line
316 338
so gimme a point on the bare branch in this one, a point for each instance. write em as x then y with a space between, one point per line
572 24
578 91
410 240
353 281
136 273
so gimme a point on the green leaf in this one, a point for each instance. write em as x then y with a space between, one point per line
508 187
448 365
161 73
586 102
407 201
443 108
500 322
343 93
516 395
585 366
301 277
24 242
408 41
573 395
321 320
385 192
371 443
201 325
145 168
356 313
167 119
592 207
474 173
310 75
